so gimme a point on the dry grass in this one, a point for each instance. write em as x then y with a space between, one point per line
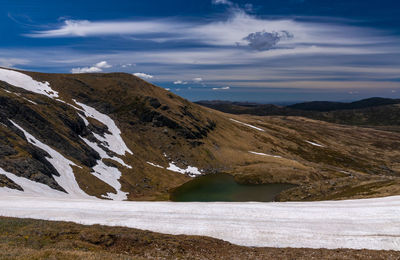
36 239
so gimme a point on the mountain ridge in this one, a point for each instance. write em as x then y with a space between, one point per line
115 136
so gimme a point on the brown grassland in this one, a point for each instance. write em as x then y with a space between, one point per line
38 239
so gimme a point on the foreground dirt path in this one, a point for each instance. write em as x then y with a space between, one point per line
38 239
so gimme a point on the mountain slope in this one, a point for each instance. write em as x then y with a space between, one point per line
118 137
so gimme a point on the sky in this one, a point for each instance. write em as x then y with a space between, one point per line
267 51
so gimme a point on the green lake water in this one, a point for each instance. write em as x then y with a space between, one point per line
222 187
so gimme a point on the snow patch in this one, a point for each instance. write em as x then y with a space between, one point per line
264 154
114 140
251 126
30 101
26 82
190 170
315 144
84 119
108 174
61 164
31 188
155 165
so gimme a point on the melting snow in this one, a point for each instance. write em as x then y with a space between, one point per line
31 188
103 154
358 224
108 174
251 126
155 165
84 119
61 164
26 82
264 154
114 140
315 144
30 101
191 171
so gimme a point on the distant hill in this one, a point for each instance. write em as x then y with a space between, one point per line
379 112
324 106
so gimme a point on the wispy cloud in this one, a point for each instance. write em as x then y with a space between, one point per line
239 28
85 28
238 49
198 79
98 67
143 75
180 82
222 2
222 88
11 62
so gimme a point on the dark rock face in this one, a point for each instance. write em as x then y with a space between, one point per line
53 123
151 110
154 102
6 182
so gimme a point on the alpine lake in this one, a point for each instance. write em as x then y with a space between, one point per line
223 187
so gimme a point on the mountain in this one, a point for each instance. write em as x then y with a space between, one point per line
115 136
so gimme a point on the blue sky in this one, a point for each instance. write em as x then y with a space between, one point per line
265 51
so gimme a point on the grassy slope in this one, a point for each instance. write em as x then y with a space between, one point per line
37 239
154 121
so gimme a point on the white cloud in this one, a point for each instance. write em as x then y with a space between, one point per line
98 67
229 32
180 82
198 80
85 28
222 2
11 62
319 54
223 88
143 75
127 65
102 65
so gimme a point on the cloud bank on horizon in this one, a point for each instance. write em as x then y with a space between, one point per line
234 44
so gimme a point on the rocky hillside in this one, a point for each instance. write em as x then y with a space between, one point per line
115 136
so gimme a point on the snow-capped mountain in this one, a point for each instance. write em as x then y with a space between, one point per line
115 136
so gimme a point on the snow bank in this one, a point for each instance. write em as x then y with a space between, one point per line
190 170
61 164
108 174
26 82
370 223
114 140
315 144
31 188
251 126
264 154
